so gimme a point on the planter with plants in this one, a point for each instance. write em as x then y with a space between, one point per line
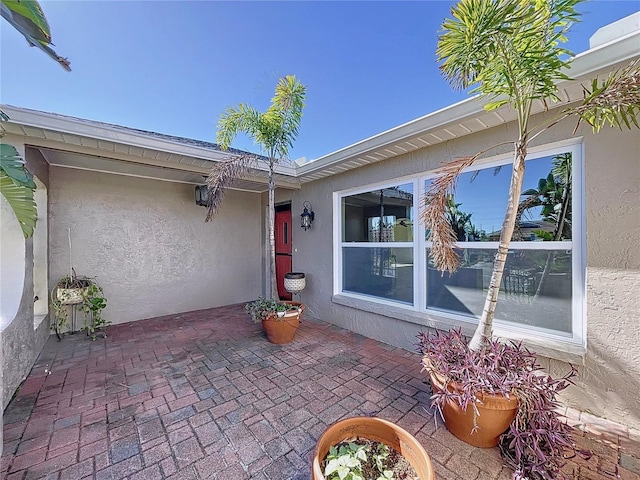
480 394
87 295
369 447
280 318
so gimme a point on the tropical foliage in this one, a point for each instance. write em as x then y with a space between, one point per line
16 183
509 52
274 131
537 439
17 186
27 17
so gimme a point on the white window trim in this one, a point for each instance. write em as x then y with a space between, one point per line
545 340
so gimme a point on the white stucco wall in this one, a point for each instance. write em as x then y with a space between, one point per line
148 246
12 263
609 373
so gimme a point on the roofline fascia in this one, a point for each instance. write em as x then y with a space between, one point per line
76 126
583 64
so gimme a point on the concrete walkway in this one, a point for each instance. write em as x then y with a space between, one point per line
205 395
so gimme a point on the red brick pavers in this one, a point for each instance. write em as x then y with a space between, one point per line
204 395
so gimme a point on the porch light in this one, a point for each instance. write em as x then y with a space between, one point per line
307 216
202 195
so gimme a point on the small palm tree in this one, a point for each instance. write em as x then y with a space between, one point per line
274 131
510 50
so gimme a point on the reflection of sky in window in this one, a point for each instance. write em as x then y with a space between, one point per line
485 196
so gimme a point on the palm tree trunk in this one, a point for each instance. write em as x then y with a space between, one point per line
485 326
272 238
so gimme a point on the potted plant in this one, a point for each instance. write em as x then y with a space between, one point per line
480 394
345 462
85 292
280 318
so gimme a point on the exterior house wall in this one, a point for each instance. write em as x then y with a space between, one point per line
148 246
21 342
609 370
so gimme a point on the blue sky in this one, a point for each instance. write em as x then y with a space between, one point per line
173 67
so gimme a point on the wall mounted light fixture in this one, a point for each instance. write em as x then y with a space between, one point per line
202 195
307 216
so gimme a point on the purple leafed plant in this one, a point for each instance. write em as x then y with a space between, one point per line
537 439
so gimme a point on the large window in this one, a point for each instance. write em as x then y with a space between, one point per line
377 243
541 288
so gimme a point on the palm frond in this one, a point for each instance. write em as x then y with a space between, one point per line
17 186
242 119
434 214
614 102
222 175
286 111
20 199
509 49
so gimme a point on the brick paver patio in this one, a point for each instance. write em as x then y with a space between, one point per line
204 395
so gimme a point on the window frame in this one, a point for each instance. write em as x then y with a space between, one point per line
577 337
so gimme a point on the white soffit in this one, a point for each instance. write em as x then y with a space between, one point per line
469 116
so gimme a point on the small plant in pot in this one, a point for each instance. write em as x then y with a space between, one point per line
366 448
280 318
466 381
85 292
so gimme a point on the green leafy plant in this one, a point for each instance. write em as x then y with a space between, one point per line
17 187
16 183
88 295
27 17
262 308
346 461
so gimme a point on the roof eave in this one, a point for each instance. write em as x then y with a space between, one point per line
593 61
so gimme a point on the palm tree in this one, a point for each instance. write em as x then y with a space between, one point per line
460 221
554 196
274 131
510 51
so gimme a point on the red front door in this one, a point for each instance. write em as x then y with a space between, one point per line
283 248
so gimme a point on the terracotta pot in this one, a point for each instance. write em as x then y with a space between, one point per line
282 330
496 413
378 430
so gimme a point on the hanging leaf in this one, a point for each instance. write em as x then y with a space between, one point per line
27 17
17 187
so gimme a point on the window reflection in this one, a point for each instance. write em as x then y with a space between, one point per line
381 215
476 212
380 272
535 290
